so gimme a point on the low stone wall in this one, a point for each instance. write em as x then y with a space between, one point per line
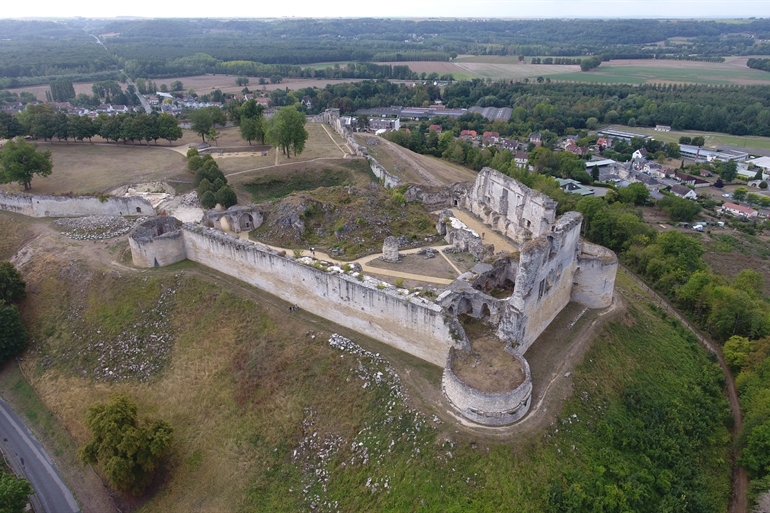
332 118
491 409
79 206
416 326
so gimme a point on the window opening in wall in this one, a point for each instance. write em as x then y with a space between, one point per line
138 209
529 223
541 290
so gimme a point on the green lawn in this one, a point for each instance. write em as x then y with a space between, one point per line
718 74
713 139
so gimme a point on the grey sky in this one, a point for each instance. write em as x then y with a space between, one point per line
397 8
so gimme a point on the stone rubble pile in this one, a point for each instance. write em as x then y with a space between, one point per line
96 227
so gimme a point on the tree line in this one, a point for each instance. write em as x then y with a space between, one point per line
42 121
755 63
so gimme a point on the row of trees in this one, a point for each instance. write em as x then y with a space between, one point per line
755 63
209 181
42 121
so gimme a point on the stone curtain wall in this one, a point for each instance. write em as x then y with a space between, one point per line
417 327
509 206
332 118
80 206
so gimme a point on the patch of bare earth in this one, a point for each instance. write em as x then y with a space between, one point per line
487 367
417 264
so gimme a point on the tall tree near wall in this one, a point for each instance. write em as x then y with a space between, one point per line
20 161
287 131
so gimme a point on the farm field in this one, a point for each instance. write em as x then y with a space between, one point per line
226 83
39 90
733 71
713 139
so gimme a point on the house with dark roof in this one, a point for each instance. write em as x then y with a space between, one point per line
682 191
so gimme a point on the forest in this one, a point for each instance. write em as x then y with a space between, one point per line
33 52
738 110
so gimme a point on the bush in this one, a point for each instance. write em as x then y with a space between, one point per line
204 187
208 200
12 286
128 450
226 197
13 334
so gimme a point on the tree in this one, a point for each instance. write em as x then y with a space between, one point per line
226 196
252 129
242 81
168 128
740 193
635 194
127 449
13 334
14 493
208 200
203 120
679 209
19 161
176 85
287 131
12 287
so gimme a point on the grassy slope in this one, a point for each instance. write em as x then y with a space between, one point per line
246 385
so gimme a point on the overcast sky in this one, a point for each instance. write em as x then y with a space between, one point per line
395 8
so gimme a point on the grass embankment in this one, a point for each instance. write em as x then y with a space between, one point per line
269 417
274 184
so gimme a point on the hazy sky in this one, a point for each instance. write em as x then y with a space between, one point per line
395 8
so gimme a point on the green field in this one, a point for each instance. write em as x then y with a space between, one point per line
713 139
716 75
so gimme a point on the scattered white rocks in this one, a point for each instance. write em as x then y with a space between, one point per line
96 227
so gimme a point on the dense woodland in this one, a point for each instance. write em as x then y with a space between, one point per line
33 52
738 110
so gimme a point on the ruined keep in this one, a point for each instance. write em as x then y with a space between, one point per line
516 294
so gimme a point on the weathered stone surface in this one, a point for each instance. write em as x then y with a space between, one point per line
78 206
235 219
390 250
491 409
157 242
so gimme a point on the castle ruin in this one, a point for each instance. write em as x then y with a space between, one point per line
552 267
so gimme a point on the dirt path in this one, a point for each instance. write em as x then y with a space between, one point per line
739 502
345 154
280 165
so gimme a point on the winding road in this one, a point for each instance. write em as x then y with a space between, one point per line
28 458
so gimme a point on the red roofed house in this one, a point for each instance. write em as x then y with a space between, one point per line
435 128
468 133
738 210
603 143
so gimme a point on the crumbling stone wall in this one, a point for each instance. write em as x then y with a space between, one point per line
491 409
78 206
414 325
461 237
544 282
594 281
157 242
235 219
509 207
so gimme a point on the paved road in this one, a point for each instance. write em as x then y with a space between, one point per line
27 457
